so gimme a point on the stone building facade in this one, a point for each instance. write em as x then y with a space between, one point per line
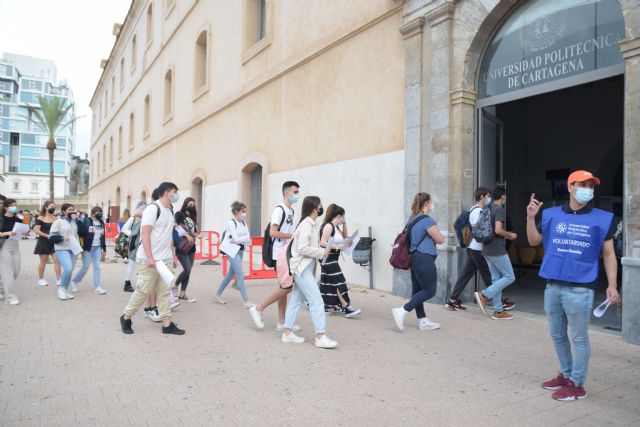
367 102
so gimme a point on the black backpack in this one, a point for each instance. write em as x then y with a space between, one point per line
267 242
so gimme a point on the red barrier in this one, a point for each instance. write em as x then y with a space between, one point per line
208 247
263 272
110 230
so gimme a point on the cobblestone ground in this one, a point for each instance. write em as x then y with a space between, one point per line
67 363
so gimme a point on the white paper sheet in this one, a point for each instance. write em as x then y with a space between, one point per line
353 239
181 231
74 245
20 230
229 248
330 244
165 274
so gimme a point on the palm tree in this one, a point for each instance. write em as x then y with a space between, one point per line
50 118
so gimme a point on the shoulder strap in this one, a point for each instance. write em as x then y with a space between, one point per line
284 216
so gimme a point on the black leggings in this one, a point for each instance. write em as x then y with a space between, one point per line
187 263
424 281
475 263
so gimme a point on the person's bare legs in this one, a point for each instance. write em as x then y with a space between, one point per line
152 298
42 265
343 302
279 296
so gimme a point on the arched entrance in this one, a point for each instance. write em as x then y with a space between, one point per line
550 100
251 195
196 193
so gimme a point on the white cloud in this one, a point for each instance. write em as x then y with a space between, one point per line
76 34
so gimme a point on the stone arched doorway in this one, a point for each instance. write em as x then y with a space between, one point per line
251 195
196 193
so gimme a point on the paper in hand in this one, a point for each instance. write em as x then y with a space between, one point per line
165 274
329 246
351 243
74 245
20 229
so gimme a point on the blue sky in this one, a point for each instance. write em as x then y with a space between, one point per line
76 34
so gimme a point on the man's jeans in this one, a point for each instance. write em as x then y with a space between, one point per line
501 277
94 256
570 306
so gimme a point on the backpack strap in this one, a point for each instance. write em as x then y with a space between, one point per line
413 224
284 216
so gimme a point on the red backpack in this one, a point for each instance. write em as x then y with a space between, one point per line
400 254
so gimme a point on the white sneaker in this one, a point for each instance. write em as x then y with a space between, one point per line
62 294
43 282
292 338
426 324
69 294
174 304
256 316
73 286
58 282
99 291
248 305
325 342
398 317
154 316
12 301
1 297
280 328
219 300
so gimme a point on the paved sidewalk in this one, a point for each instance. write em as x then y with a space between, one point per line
67 363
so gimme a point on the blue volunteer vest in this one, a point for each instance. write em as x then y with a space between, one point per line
572 244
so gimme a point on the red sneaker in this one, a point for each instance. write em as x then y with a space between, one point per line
555 384
570 392
507 305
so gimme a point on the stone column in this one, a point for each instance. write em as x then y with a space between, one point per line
630 48
439 176
412 34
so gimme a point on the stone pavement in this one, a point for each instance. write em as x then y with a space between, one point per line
67 363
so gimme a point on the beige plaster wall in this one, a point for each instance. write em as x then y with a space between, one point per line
327 87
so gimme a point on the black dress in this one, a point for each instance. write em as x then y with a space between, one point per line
44 246
332 280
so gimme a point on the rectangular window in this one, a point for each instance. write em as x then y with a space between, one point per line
34 187
134 53
121 74
132 132
16 186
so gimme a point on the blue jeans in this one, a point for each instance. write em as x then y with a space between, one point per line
570 306
306 288
94 256
67 261
235 268
501 277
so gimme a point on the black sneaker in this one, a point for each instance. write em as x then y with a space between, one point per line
125 324
350 312
454 305
128 287
172 329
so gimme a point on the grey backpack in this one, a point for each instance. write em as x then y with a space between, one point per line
483 230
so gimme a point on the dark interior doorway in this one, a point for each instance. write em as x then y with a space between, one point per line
538 141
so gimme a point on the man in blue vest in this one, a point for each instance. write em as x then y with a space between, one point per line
573 235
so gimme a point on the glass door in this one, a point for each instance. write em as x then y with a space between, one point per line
491 151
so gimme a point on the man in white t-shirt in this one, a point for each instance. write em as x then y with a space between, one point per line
157 247
475 261
282 228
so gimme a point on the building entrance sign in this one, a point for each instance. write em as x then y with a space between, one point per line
547 40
